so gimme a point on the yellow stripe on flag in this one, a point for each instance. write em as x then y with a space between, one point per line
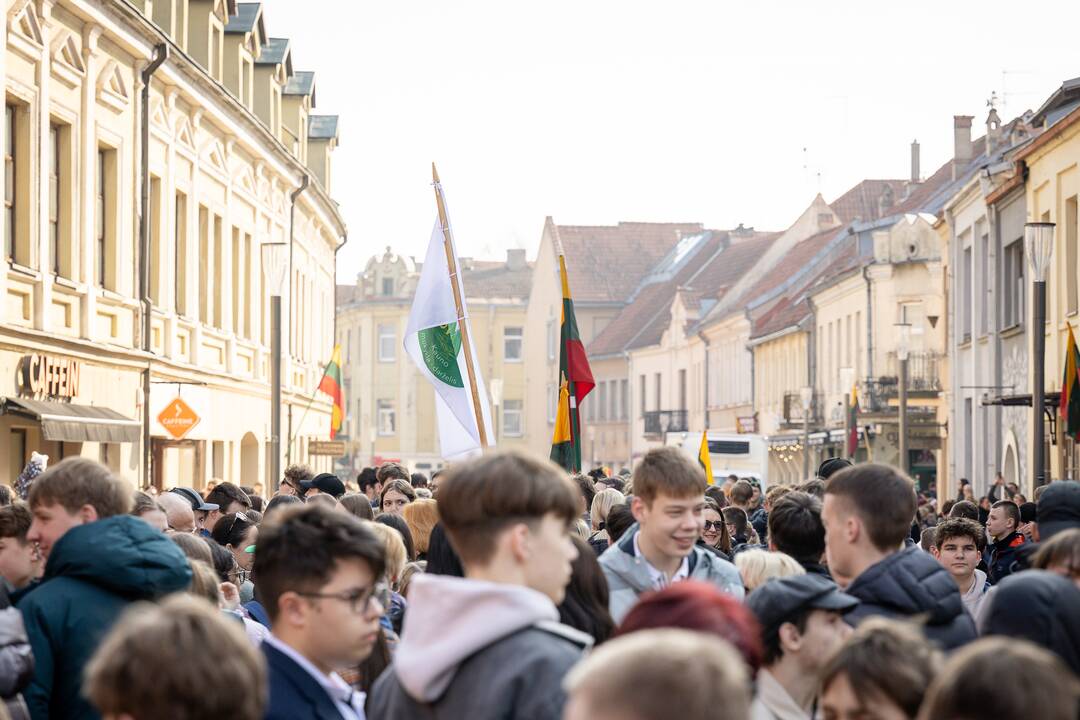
704 458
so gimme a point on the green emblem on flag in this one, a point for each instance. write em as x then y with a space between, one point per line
439 347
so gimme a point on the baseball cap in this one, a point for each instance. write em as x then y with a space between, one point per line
778 599
193 497
831 466
1059 508
325 483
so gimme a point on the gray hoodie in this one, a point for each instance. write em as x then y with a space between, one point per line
478 650
628 574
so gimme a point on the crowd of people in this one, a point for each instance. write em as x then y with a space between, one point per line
504 588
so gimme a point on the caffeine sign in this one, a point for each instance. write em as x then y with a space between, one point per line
50 376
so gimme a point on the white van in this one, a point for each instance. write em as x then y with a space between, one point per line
731 454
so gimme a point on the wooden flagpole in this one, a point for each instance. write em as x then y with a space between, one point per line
463 325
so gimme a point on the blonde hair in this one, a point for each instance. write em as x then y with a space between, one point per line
205 582
394 546
601 506
705 674
143 667
757 566
411 570
580 529
421 516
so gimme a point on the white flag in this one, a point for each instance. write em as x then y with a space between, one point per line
433 341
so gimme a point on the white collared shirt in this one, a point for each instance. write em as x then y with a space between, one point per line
658 578
349 702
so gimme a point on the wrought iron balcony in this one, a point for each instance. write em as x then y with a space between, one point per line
660 422
793 409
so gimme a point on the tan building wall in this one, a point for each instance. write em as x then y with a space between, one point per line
390 406
1053 189
780 372
220 187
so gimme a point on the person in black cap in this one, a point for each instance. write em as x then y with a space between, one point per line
802 624
1040 606
1058 508
200 507
324 483
831 466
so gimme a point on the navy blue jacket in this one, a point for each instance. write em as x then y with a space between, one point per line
294 694
93 573
1001 555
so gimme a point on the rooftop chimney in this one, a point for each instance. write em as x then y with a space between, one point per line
962 150
915 161
515 259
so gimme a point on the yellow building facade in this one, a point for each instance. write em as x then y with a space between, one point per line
390 406
234 160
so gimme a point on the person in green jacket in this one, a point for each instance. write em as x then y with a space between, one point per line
98 560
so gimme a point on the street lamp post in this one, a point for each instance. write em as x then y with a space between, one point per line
903 347
275 260
806 395
1039 248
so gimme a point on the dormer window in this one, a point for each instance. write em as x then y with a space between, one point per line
388 287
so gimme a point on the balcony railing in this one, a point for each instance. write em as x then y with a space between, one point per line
879 394
659 422
793 409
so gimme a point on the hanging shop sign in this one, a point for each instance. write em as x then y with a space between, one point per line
178 418
49 376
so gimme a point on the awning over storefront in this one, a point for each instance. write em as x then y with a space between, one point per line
75 423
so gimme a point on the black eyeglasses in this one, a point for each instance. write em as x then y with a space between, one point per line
359 600
714 525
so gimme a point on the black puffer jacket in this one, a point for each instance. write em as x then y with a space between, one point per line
912 584
1039 606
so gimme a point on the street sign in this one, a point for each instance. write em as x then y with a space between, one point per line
334 448
178 418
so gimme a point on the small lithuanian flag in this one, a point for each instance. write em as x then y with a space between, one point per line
575 382
703 457
331 384
1070 389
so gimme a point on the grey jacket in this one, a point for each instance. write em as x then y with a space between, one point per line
477 650
628 576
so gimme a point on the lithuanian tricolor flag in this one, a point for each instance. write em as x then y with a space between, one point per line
575 382
331 384
1070 389
853 422
703 457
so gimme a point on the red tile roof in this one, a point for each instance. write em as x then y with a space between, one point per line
605 263
706 275
863 202
495 279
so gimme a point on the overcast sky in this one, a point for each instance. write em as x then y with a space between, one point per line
595 111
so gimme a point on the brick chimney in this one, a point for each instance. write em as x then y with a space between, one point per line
915 177
515 259
962 148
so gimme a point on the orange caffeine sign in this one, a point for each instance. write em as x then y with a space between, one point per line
178 418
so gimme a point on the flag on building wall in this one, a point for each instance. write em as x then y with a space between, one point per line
704 459
575 381
433 342
332 384
1070 389
853 422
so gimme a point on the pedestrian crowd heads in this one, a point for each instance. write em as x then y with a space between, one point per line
504 586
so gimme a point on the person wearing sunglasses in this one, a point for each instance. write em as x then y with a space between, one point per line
319 576
714 533
237 533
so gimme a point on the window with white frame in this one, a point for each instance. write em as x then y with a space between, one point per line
552 341
1013 285
601 399
512 344
624 412
512 425
387 343
552 402
386 418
